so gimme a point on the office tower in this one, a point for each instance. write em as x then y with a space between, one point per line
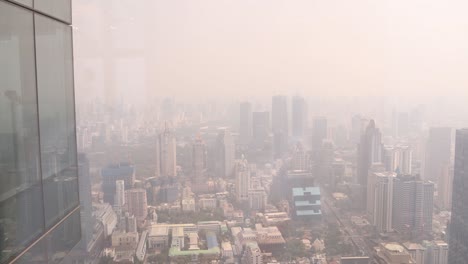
369 152
403 124
279 115
299 117
166 163
324 163
299 160
245 126
198 160
242 173
444 188
438 152
225 153
417 252
39 201
137 203
111 174
260 128
458 229
383 203
398 159
119 193
257 199
374 171
319 133
413 202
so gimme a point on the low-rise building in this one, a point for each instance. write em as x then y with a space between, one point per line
158 237
122 238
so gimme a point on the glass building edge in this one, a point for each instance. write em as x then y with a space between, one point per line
18 252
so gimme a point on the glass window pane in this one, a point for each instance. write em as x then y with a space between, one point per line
64 238
60 9
21 215
24 2
56 117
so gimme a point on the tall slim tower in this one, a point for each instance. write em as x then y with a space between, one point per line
279 114
198 160
119 193
438 152
369 152
242 179
299 117
458 238
260 127
225 153
383 202
166 164
245 126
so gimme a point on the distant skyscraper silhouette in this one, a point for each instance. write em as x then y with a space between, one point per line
438 152
260 128
369 152
166 164
279 114
245 126
198 160
225 153
458 238
299 116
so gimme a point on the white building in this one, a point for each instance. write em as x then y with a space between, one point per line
242 179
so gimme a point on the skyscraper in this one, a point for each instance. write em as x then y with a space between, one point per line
111 174
119 193
260 128
369 152
39 203
383 195
444 188
166 164
458 238
198 160
242 179
279 115
225 151
413 202
438 152
245 126
398 159
137 203
299 117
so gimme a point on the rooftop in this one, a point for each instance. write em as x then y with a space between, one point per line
306 191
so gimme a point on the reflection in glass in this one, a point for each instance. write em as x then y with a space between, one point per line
60 9
21 215
57 120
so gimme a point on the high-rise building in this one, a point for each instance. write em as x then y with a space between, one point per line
458 228
252 254
225 153
369 152
299 117
279 115
438 252
319 133
199 160
413 202
444 188
86 207
383 205
39 201
374 171
166 162
438 153
242 173
245 126
398 159
257 199
111 174
260 128
119 193
137 203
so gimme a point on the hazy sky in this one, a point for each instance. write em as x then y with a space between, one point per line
137 49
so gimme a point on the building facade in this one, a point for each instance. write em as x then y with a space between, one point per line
39 201
458 229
